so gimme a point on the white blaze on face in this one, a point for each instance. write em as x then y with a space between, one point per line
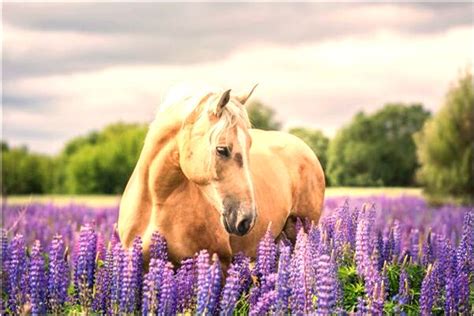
242 139
213 196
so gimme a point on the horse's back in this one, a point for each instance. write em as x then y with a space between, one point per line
285 154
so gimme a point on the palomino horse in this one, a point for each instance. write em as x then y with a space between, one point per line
205 180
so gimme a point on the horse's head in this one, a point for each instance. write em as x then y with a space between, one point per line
214 150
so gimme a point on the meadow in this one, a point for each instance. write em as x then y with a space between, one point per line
372 253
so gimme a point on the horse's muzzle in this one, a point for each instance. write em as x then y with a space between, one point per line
237 224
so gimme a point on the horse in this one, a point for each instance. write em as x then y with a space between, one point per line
206 180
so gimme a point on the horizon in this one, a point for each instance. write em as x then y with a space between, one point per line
69 69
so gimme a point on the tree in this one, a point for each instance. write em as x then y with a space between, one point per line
378 149
100 162
316 140
445 145
24 172
262 116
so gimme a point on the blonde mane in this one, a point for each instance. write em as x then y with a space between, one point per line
190 97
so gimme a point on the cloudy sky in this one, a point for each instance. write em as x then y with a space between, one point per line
72 68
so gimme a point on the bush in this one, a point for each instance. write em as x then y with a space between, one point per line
445 146
378 149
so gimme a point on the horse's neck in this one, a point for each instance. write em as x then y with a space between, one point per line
158 165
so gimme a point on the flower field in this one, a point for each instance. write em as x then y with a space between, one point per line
375 255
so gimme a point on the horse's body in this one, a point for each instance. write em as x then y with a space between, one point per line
286 180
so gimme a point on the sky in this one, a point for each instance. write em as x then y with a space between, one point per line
69 69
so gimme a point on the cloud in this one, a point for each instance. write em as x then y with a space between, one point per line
56 38
315 83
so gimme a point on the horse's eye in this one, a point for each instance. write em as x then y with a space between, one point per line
223 151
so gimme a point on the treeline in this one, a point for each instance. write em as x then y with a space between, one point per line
399 145
100 162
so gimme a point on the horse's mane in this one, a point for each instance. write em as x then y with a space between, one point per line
192 96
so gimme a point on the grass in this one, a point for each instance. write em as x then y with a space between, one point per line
110 200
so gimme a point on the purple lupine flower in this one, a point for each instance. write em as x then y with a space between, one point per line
128 296
203 279
301 277
381 249
137 267
397 238
362 256
208 287
37 281
264 304
243 262
386 252
266 254
17 272
415 244
152 287
233 287
326 280
100 248
167 304
451 288
403 296
464 260
376 302
361 307
85 266
427 251
4 247
58 273
3 260
372 275
428 290
116 278
102 287
283 278
158 247
185 280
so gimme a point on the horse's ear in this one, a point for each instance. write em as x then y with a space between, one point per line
244 97
222 102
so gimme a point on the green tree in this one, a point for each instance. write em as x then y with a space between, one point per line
262 116
24 172
445 145
316 140
100 162
378 149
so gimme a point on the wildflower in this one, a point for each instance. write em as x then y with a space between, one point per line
264 304
116 277
152 287
158 248
57 276
362 244
17 272
37 282
464 262
233 287
85 266
428 290
283 277
403 289
326 281
301 280
167 304
209 283
427 251
266 254
185 279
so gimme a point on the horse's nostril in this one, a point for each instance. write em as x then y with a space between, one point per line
243 226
